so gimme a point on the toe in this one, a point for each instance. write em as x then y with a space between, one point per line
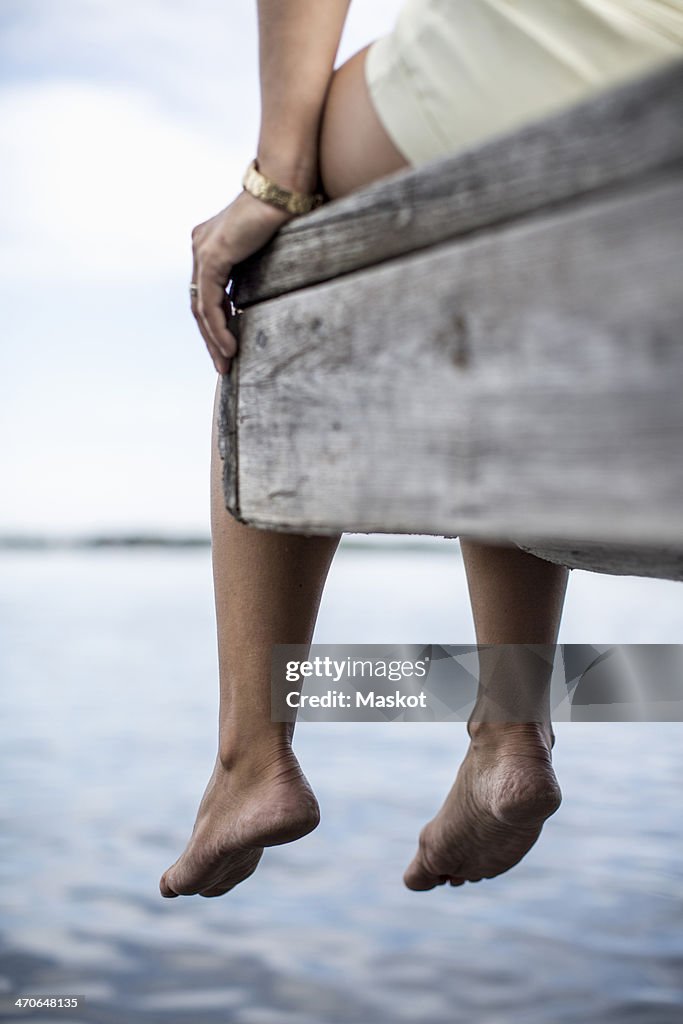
180 886
180 882
418 878
165 889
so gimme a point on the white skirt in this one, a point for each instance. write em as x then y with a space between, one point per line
453 72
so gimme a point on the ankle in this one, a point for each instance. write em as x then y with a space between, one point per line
258 755
497 735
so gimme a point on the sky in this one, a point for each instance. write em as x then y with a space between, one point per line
121 126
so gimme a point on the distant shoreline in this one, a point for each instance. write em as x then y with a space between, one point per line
145 541
40 543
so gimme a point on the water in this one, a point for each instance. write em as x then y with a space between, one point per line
107 666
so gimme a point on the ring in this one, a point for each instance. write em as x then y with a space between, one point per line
194 289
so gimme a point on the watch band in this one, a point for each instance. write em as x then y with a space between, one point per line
258 185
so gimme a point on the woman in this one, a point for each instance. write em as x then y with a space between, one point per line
449 74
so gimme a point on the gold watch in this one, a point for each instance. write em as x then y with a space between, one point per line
258 185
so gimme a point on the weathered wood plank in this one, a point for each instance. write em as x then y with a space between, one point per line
615 559
609 139
227 435
522 381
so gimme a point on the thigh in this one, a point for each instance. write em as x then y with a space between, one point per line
355 148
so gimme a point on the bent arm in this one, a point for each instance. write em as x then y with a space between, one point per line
298 41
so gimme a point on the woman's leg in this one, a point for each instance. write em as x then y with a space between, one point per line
505 788
267 590
517 599
268 587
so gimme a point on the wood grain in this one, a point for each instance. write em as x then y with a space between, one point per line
487 345
618 136
526 380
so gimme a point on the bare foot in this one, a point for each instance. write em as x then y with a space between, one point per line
244 808
504 791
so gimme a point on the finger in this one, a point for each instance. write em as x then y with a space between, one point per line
195 275
220 362
212 311
194 298
214 321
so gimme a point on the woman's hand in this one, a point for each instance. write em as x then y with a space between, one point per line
218 244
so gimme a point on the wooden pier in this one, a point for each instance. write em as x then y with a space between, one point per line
488 345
